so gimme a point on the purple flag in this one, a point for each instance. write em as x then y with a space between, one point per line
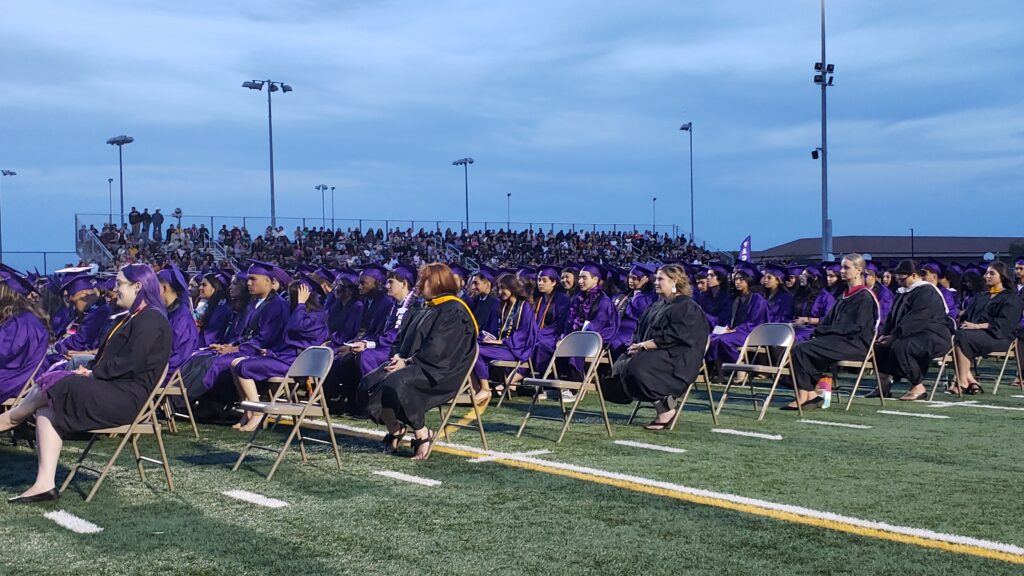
745 250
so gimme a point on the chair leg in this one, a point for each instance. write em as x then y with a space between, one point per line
632 415
572 411
725 394
711 400
446 415
78 464
287 444
1002 371
163 454
245 451
188 410
106 469
529 410
172 426
480 425
604 408
330 433
856 385
138 457
679 408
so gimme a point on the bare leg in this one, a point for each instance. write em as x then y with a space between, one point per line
247 387
240 391
395 429
48 444
421 449
33 401
963 369
484 394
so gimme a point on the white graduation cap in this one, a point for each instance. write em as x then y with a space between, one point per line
73 270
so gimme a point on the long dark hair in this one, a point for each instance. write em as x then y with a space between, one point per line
150 292
514 285
220 294
238 304
12 304
1004 274
293 297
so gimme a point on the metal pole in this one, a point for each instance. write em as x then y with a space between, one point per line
270 128
323 207
508 212
333 225
692 232
654 216
911 243
110 202
465 166
120 168
825 248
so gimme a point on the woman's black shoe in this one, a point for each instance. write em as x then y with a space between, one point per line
876 393
808 404
51 494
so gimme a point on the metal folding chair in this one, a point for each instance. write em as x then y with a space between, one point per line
861 366
463 396
584 345
10 403
176 388
145 422
313 363
1010 354
703 377
761 341
511 368
944 361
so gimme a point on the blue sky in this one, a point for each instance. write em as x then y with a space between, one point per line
573 107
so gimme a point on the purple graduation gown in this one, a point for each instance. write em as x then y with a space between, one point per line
745 317
780 306
549 316
603 319
486 310
819 308
377 307
518 335
215 331
88 333
884 298
717 308
347 318
264 327
371 358
638 303
305 328
950 299
23 339
184 335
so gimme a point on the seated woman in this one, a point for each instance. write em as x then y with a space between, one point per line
990 326
516 337
667 349
833 280
307 326
882 294
749 310
932 272
779 300
92 317
23 339
916 331
845 334
569 279
111 391
215 319
550 315
813 302
346 312
434 354
634 303
184 334
717 300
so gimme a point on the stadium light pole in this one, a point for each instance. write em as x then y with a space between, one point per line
271 88
110 202
120 142
465 162
3 174
911 243
823 76
508 212
333 225
688 127
654 215
323 203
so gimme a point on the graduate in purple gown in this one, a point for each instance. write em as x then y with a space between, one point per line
516 336
377 351
346 313
636 301
238 300
749 310
484 303
833 281
884 296
813 302
779 299
215 319
376 303
93 315
932 272
717 301
184 334
307 326
23 339
592 309
549 314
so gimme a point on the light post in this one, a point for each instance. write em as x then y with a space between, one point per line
3 174
465 162
823 76
508 212
911 243
688 127
654 215
334 227
120 141
323 205
271 88
110 202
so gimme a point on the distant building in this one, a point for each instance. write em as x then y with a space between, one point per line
941 248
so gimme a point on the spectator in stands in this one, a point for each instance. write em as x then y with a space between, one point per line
158 223
147 219
135 219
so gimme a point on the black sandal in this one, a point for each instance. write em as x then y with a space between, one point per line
417 442
973 389
390 438
658 426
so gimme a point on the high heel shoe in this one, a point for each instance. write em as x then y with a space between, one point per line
51 494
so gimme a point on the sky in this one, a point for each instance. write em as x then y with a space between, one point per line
571 107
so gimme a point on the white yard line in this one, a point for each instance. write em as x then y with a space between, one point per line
748 434
73 523
914 414
657 447
254 498
500 455
838 424
407 478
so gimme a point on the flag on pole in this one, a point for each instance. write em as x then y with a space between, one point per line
745 250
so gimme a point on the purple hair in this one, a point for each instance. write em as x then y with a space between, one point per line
150 293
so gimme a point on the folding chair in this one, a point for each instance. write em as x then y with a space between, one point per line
861 366
145 422
761 341
10 403
943 361
1010 354
585 345
313 363
175 388
703 377
463 396
511 368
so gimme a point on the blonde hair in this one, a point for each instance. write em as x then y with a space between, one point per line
857 260
677 274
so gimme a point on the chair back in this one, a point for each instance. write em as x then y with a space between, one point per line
772 334
313 362
156 395
579 345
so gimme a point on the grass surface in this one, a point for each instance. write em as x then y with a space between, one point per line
956 475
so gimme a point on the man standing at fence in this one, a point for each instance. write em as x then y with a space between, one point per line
134 218
147 219
158 222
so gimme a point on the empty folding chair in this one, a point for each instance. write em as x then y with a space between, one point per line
175 388
762 340
583 345
1010 354
145 422
511 368
703 377
463 396
313 363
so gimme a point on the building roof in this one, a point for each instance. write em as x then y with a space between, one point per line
894 247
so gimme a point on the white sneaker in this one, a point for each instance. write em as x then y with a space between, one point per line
568 396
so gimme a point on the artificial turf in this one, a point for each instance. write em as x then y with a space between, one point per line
957 475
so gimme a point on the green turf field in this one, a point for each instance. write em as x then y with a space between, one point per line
957 475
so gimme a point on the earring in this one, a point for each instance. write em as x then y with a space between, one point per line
674 290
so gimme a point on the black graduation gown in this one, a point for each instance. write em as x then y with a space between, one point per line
844 334
124 372
439 345
1002 313
680 332
920 329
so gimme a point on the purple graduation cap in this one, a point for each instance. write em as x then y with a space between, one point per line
77 282
487 273
173 277
108 283
460 271
260 268
375 271
310 282
406 273
282 277
776 270
17 283
1019 261
872 268
526 272
325 274
720 268
592 268
795 270
814 270
833 267
640 270
933 267
748 270
350 277
552 272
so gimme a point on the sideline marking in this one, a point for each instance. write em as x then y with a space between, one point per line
839 424
72 522
783 512
657 447
500 455
914 414
254 498
407 478
750 434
